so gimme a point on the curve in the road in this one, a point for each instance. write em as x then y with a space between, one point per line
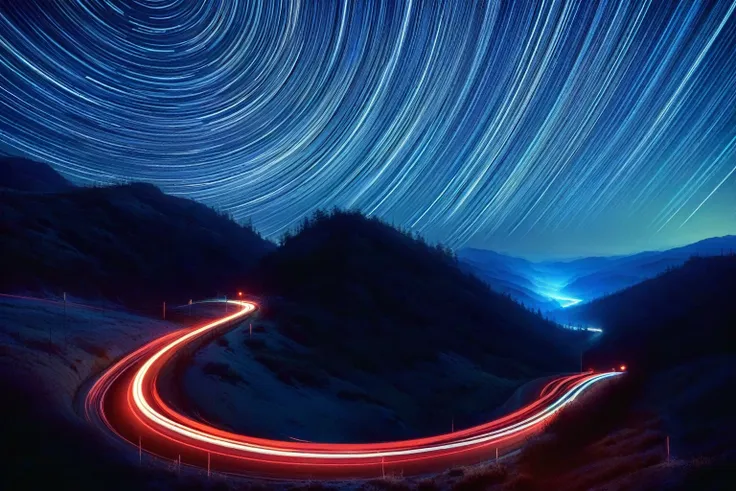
127 401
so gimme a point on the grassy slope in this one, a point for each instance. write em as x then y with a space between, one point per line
43 360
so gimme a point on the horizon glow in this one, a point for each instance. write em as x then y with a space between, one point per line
564 302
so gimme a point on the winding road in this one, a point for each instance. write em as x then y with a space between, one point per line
126 400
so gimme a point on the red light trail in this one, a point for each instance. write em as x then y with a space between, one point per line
126 399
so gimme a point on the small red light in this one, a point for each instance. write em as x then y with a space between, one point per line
240 294
623 368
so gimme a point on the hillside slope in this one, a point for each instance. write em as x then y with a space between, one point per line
675 334
682 314
397 289
129 243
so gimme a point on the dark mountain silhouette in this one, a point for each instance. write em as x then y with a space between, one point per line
682 314
616 273
398 299
536 283
675 334
129 243
21 174
377 326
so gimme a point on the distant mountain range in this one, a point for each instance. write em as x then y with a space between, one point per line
553 284
519 278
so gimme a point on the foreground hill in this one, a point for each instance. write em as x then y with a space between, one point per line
666 424
129 243
675 332
397 289
364 330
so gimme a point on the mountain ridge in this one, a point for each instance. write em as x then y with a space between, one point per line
583 279
127 243
21 174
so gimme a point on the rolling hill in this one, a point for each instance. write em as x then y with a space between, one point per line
129 243
397 286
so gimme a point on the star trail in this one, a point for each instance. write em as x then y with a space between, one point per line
533 127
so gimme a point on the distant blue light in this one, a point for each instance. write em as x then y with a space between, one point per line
576 328
565 302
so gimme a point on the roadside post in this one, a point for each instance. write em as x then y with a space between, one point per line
64 326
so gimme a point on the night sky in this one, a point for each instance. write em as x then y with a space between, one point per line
535 128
